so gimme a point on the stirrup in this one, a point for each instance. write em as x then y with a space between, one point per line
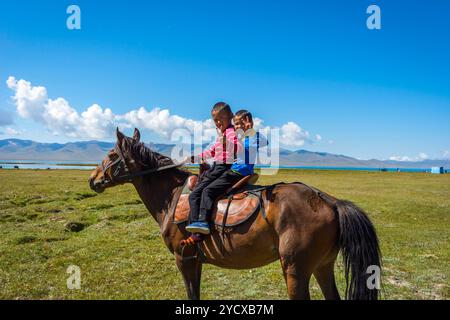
192 239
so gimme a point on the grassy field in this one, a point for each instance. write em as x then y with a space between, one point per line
122 256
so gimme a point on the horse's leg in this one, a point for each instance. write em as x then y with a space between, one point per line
325 277
297 280
191 271
298 286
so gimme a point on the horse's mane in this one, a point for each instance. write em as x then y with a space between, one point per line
147 157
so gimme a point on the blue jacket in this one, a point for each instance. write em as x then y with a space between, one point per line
245 161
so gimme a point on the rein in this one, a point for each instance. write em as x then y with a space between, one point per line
129 176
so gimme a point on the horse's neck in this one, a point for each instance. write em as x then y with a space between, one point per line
160 193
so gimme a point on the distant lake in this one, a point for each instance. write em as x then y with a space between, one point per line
89 165
45 164
359 169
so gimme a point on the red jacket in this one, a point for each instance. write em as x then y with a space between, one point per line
225 149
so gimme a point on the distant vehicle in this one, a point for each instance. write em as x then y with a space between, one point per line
16 167
438 170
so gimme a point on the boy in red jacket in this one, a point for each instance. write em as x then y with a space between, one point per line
224 150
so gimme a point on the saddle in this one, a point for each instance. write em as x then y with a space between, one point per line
233 208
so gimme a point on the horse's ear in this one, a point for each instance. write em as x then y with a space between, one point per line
120 136
136 135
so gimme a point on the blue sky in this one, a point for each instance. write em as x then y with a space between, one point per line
367 93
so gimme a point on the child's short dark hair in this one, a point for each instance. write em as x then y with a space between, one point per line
222 106
244 113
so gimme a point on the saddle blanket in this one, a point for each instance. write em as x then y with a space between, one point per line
241 208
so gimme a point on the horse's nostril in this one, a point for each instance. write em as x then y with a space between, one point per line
94 184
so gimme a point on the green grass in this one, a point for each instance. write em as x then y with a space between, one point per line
122 256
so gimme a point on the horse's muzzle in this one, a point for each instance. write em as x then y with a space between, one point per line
97 186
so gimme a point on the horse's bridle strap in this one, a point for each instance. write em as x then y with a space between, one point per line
149 171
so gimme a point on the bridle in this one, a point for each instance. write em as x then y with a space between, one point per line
128 176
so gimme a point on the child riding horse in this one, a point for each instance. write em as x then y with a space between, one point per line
219 178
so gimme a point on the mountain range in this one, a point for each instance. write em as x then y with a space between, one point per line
17 149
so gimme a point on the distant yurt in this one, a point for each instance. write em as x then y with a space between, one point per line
439 170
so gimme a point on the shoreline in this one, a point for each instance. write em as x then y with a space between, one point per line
85 167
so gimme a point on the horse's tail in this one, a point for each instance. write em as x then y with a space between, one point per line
359 245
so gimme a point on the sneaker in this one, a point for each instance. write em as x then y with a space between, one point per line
198 227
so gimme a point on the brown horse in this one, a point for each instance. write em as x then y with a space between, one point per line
303 228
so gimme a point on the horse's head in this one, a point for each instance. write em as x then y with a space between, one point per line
116 167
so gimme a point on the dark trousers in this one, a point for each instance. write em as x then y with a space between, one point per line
214 183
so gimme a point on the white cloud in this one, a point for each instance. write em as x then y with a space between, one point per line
161 121
30 101
97 122
12 132
422 156
400 158
258 124
60 118
292 134
57 114
318 137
